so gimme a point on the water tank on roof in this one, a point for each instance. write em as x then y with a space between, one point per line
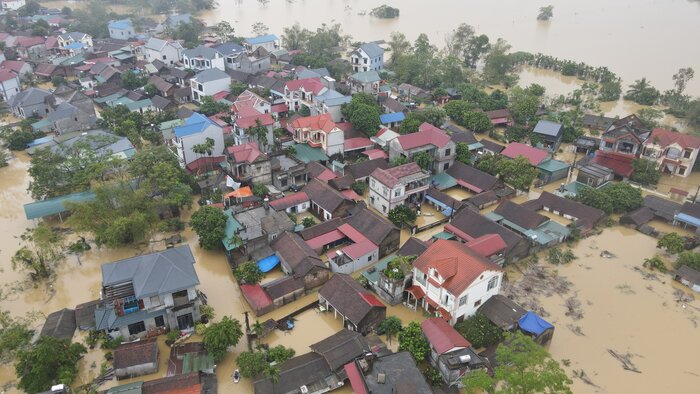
465 358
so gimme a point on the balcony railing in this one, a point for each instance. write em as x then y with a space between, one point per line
181 301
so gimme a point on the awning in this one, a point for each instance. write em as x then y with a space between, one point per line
416 292
532 323
240 193
444 313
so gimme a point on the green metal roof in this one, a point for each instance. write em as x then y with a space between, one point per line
444 180
41 124
232 226
53 206
139 104
193 362
553 165
171 124
443 235
308 154
123 56
129 388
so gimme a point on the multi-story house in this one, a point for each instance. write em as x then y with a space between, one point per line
330 102
269 42
302 92
365 82
287 172
149 292
231 51
674 153
248 164
31 102
248 119
319 132
451 281
450 353
369 56
11 5
9 85
167 52
428 139
208 83
195 131
121 29
404 184
203 58
65 40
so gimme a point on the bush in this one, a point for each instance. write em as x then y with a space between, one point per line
111 343
207 312
655 264
248 273
172 336
308 222
200 328
359 187
479 330
556 256
691 259
433 376
672 242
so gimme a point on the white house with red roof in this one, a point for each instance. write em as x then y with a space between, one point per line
428 139
17 66
451 281
391 187
535 156
350 250
248 164
319 132
302 92
674 153
248 119
9 84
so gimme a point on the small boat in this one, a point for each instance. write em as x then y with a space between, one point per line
236 376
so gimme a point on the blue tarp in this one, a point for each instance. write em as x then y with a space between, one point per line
40 141
532 323
268 263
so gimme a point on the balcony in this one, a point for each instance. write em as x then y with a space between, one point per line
181 301
127 305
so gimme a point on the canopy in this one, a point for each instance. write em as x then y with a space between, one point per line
268 263
240 193
532 323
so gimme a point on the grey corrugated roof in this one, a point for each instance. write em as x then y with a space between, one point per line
372 49
201 50
366 76
155 273
155 43
212 74
230 48
547 127
29 96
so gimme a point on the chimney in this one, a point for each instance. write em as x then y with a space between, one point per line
266 203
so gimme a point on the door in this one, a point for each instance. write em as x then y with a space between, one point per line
185 321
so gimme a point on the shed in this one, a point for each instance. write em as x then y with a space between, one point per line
60 324
190 357
638 217
85 315
553 170
56 205
689 277
540 329
136 359
502 311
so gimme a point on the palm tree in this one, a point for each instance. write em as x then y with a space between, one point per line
637 87
258 330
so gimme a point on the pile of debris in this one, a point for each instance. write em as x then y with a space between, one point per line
536 281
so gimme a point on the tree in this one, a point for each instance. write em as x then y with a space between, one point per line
411 339
14 335
295 37
672 242
411 123
359 187
365 118
610 91
433 115
259 132
402 215
518 172
29 8
308 222
260 29
19 138
644 172
641 92
248 273
479 331
225 31
279 354
210 107
40 28
477 47
655 263
45 251
390 327
463 155
489 163
188 32
131 80
650 117
522 366
499 66
523 106
546 13
210 225
252 364
424 160
385 12
691 259
222 335
236 88
682 77
260 190
617 198
477 122
456 109
399 45
48 362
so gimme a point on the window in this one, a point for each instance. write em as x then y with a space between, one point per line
155 301
160 321
446 166
448 151
476 304
137 328
681 171
462 300
164 57
447 299
493 282
687 154
384 208
397 192
283 183
365 61
369 258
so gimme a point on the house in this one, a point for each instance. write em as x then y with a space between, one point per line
451 281
203 58
300 92
249 119
620 164
491 147
190 357
326 202
594 175
390 105
550 133
60 324
67 117
294 203
534 326
552 170
9 85
392 120
299 260
428 139
360 310
472 179
500 117
411 93
175 19
231 51
586 144
31 102
258 227
365 82
450 353
483 200
269 42
383 138
469 226
584 216
595 122
30 47
246 163
11 5
539 229
136 359
319 132
287 172
191 383
149 292
387 374
329 102
361 171
367 57
353 250
18 67
68 41
167 52
102 143
624 136
404 184
503 312
254 62
689 215
121 29
196 130
673 152
689 277
534 155
208 83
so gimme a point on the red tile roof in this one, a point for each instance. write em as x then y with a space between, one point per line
357 143
248 99
356 381
351 233
442 336
619 163
325 239
427 134
12 65
250 121
460 265
375 154
371 299
392 176
313 85
533 155
319 122
245 153
665 138
256 296
291 200
27 42
6 75
277 108
205 163
487 245
351 195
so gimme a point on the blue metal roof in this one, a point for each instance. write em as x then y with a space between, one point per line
53 206
123 24
75 45
261 39
392 117
195 124
685 218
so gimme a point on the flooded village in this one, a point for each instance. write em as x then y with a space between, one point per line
231 198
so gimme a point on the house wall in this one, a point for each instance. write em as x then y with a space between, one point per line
661 153
217 62
316 277
287 298
299 208
199 90
334 143
213 132
357 59
255 65
355 265
136 370
9 88
31 110
372 320
12 4
390 243
269 46
391 291
168 55
121 34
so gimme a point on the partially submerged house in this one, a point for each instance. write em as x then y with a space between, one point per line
190 357
689 216
136 359
428 139
360 310
689 277
259 226
550 133
584 216
197 130
540 230
298 259
402 185
450 353
503 312
60 324
472 179
673 152
387 374
326 202
247 164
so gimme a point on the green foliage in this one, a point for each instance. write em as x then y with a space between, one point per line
188 32
424 160
48 362
210 107
477 122
402 215
522 366
479 331
399 267
237 88
655 264
30 8
225 31
200 328
210 225
617 198
411 123
222 335
517 172
433 376
499 65
456 109
462 153
308 222
134 125
546 13
207 312
252 364
41 252
172 335
411 339
610 91
14 336
650 117
489 163
41 28
359 187
259 133
672 242
279 354
556 256
131 80
390 327
260 190
385 12
641 92
248 273
691 259
365 118
18 138
111 343
398 161
645 172
523 106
